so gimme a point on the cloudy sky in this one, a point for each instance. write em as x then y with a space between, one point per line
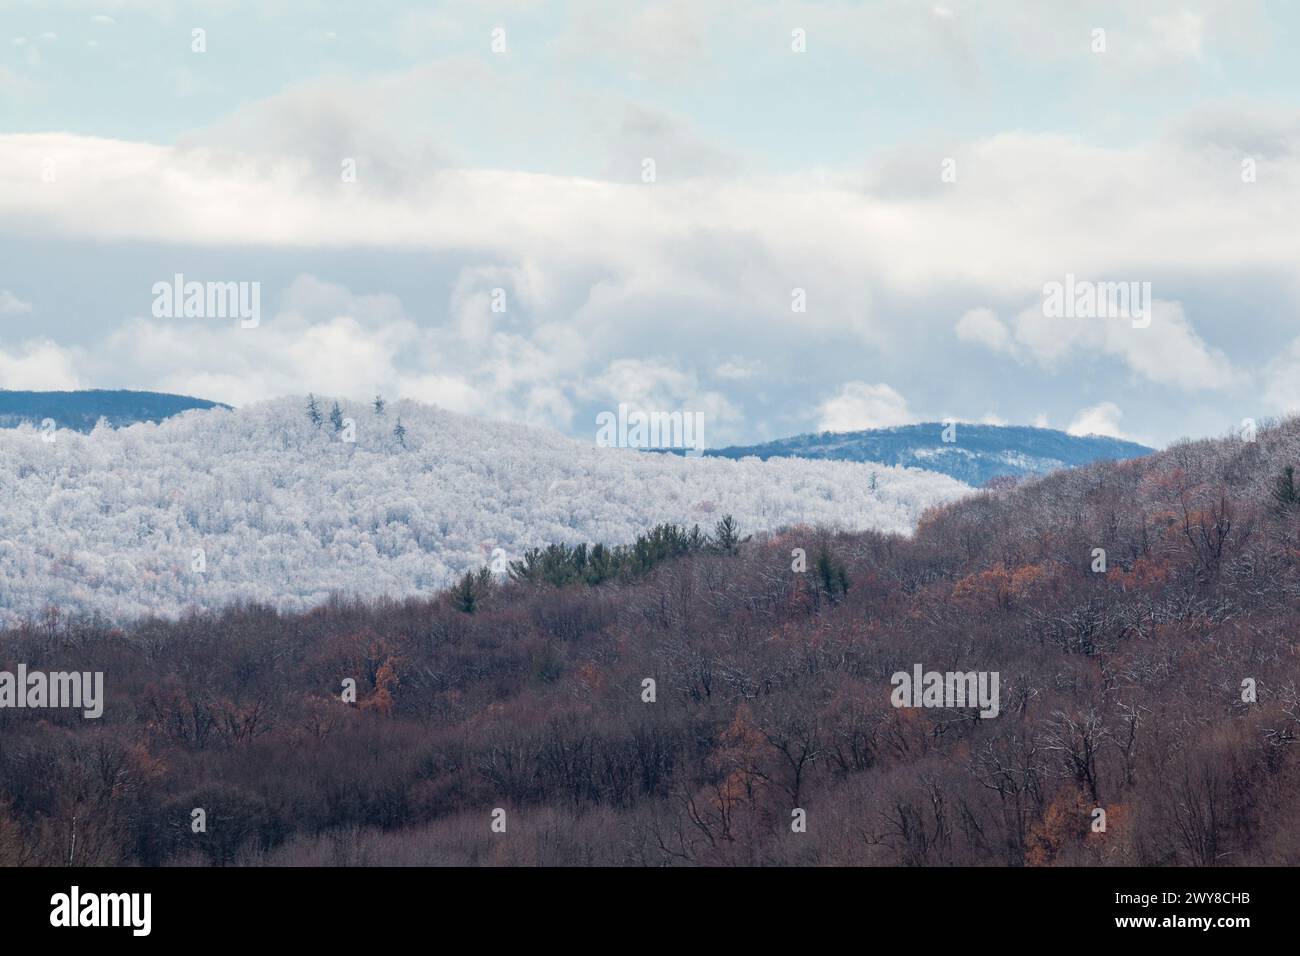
795 146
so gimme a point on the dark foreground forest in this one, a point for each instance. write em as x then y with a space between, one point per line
1164 690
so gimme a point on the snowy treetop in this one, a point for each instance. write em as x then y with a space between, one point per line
258 504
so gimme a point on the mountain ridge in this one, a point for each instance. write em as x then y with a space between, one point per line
978 454
81 409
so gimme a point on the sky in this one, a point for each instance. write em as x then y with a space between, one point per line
787 217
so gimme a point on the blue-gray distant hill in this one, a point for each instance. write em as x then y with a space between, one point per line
980 453
80 410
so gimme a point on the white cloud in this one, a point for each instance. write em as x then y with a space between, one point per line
38 365
1176 36
983 326
1235 128
681 272
1101 419
665 41
1282 381
325 339
10 304
649 385
322 339
1181 213
1173 354
739 369
861 405
1167 352
676 148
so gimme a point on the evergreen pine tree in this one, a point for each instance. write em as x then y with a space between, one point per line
379 404
468 593
313 410
726 536
1285 494
831 574
336 417
399 432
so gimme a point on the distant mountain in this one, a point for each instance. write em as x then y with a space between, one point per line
979 454
80 410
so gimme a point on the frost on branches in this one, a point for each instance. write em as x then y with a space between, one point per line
257 505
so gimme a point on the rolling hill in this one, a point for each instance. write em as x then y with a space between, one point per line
81 410
979 453
285 513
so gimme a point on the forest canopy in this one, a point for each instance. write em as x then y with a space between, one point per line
692 708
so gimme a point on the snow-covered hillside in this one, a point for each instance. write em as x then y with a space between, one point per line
286 513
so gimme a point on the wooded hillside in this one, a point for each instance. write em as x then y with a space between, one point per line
1125 690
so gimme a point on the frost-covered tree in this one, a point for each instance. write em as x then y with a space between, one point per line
379 404
336 417
110 521
313 411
